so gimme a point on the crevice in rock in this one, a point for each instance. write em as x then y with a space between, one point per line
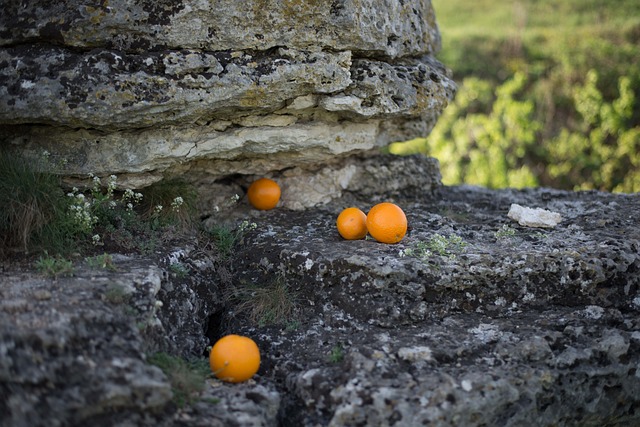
215 328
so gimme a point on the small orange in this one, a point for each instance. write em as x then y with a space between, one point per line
264 194
352 224
387 223
234 358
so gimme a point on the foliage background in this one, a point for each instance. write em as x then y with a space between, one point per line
548 94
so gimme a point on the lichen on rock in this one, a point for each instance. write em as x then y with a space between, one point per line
150 90
374 334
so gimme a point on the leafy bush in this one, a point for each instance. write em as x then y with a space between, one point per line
603 152
498 141
547 94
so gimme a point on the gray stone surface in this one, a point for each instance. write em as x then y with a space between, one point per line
391 28
72 352
516 326
149 89
507 325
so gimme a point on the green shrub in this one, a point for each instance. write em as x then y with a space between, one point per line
531 108
603 151
498 140
264 304
484 140
225 238
169 202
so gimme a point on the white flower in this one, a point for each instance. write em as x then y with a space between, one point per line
95 239
177 202
112 184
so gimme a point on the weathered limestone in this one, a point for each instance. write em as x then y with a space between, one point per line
149 89
513 325
375 27
507 326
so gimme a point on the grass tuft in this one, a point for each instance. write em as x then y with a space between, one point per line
187 378
270 304
54 266
226 238
33 207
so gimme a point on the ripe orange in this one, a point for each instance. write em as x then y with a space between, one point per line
387 223
234 358
352 224
264 194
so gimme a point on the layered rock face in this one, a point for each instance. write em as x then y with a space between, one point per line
149 89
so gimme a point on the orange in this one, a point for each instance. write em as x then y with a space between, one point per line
234 358
352 224
264 194
387 223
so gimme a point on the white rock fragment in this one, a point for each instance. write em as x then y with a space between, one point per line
466 385
415 354
530 217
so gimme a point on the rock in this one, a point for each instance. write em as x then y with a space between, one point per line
485 273
456 337
530 217
376 27
245 404
378 335
149 90
78 357
373 176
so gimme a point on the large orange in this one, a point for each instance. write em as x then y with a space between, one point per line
352 224
234 358
264 194
387 223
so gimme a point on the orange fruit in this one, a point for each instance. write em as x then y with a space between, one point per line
352 224
387 223
234 358
264 194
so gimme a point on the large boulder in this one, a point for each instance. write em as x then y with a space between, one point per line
149 89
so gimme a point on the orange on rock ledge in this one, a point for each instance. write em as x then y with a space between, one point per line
352 224
234 358
387 223
264 194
